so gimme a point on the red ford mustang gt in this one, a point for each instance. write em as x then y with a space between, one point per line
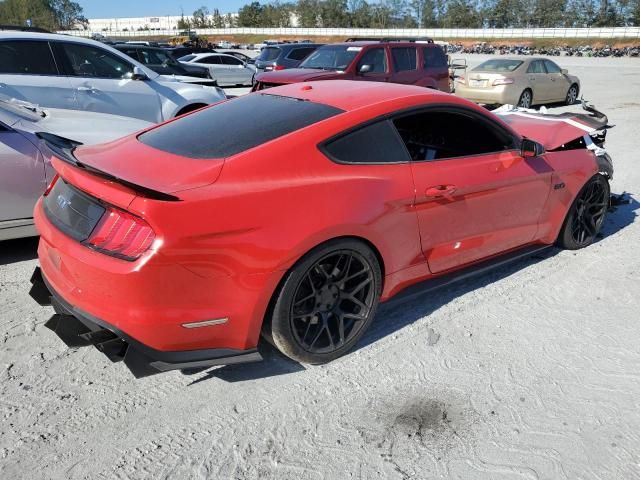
294 211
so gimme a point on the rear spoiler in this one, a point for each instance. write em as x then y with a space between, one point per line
63 148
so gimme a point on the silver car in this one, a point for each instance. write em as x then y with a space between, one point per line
225 69
24 158
59 71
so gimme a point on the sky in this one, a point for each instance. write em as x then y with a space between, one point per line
153 8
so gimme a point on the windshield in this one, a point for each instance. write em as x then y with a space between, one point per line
268 54
331 57
498 65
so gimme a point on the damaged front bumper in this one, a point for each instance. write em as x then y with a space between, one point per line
80 329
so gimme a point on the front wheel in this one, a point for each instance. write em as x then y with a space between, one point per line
586 216
327 301
572 95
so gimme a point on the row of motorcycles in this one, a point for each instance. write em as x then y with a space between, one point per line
583 51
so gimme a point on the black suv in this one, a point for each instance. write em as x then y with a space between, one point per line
283 55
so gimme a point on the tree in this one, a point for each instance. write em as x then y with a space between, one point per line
250 15
461 14
49 14
217 20
548 13
201 18
307 11
68 14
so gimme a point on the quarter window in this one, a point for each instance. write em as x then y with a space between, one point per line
88 61
438 135
404 58
27 58
375 143
434 57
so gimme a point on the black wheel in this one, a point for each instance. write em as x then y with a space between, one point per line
326 302
526 98
572 95
586 216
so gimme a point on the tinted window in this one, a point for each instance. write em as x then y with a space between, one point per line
156 57
551 67
269 54
496 65
376 59
211 60
436 135
231 61
88 61
299 53
29 58
404 58
536 67
375 143
434 57
236 125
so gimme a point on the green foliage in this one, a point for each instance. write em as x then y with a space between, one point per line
49 14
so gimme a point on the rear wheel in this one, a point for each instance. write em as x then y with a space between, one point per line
326 303
586 216
572 95
526 98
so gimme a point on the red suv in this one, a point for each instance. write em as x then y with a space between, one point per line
409 62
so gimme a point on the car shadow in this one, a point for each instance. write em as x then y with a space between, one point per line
396 314
18 250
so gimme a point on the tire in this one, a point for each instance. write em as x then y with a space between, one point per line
326 302
526 99
572 95
586 215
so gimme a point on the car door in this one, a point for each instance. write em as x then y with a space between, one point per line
434 65
22 178
559 85
539 81
405 65
476 196
238 72
103 82
377 65
29 72
214 63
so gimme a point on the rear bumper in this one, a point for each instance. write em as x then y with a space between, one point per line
79 329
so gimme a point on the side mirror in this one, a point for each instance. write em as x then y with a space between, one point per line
138 74
364 68
530 149
564 71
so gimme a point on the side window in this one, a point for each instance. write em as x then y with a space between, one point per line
299 53
212 60
536 67
133 53
551 67
437 135
433 57
26 58
89 61
376 59
230 61
404 58
375 143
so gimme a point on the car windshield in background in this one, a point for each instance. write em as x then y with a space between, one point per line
236 125
157 57
498 65
268 54
332 57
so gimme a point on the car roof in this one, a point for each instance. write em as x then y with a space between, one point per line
365 43
208 54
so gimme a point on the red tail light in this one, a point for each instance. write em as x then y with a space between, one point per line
278 67
121 235
51 185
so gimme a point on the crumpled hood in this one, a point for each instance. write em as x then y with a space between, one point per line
552 130
294 75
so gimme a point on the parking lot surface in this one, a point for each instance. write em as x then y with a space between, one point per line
532 371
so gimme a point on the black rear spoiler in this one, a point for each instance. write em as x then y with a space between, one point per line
63 148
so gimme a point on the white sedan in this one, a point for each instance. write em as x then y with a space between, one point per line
225 69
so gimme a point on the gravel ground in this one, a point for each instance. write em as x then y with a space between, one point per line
532 371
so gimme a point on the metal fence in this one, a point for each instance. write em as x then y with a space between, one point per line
439 33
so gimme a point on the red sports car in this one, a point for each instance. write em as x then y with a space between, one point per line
294 211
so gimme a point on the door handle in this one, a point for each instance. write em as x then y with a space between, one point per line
441 191
87 89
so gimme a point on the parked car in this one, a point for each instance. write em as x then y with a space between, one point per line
241 56
161 61
225 69
294 211
61 71
518 81
422 64
178 52
283 55
25 170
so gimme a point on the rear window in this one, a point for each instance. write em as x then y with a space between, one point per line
236 125
496 65
269 53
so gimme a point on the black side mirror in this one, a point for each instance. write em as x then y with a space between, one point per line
529 148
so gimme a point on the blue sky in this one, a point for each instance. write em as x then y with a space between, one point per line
146 8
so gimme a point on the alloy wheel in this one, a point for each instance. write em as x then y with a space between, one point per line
525 99
332 301
590 209
572 95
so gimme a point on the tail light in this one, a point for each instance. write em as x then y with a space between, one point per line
278 67
121 234
51 185
502 81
